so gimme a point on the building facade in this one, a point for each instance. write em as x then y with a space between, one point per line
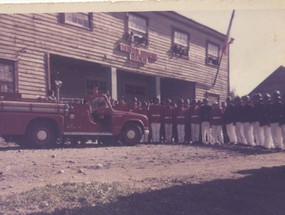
142 54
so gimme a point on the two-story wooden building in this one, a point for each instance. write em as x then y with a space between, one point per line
142 54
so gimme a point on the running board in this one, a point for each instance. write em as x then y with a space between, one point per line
88 133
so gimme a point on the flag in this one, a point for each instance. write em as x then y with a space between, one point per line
228 39
225 48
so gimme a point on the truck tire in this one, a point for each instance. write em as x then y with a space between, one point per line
131 134
41 135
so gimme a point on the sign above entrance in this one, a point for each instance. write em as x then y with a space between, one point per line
138 55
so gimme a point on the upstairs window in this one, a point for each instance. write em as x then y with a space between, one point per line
212 56
137 30
78 19
180 43
7 76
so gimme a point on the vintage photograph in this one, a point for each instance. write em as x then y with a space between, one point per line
142 107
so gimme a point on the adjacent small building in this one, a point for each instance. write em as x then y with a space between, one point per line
142 54
275 81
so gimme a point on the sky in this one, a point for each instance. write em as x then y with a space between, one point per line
259 43
258 30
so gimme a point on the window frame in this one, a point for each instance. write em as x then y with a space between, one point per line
128 31
89 92
70 23
174 45
210 59
14 76
211 96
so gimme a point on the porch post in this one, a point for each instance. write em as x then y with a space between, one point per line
114 86
157 88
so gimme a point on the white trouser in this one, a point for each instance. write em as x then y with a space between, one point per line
144 138
248 133
218 134
195 132
231 131
168 132
181 133
283 134
155 129
258 133
268 143
276 132
240 133
205 126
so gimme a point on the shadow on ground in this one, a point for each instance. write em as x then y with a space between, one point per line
258 191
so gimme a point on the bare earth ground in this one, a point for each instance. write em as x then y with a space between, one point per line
156 179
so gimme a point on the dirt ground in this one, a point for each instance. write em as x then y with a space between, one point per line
162 179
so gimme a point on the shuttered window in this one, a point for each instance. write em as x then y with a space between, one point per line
212 55
137 30
78 19
7 76
180 43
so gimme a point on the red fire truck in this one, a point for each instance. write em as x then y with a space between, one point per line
40 123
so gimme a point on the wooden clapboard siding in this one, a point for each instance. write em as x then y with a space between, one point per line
38 34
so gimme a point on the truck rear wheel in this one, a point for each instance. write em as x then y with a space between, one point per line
131 134
41 134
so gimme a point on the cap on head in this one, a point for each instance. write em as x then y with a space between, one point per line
168 101
180 101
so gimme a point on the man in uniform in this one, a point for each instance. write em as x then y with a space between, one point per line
283 121
239 121
187 123
179 120
276 119
145 111
122 105
155 111
216 123
205 112
195 121
134 106
248 120
257 115
229 120
265 122
168 121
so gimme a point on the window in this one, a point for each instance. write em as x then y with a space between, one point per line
137 30
7 76
135 90
212 57
212 98
180 43
91 83
78 19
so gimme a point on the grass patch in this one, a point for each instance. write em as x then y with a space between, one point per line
50 198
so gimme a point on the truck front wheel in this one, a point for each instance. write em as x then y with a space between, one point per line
41 135
131 134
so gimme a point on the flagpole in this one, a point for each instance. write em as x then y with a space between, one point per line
225 47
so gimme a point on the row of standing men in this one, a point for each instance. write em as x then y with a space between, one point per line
256 121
